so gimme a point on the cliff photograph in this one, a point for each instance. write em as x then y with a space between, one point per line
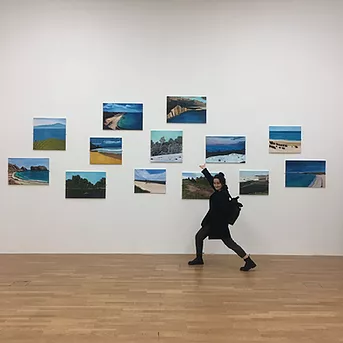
186 109
28 171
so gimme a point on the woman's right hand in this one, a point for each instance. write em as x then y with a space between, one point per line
202 166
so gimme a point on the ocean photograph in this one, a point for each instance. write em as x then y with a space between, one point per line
82 185
305 173
150 181
195 186
186 109
253 182
166 146
225 149
284 139
122 116
49 134
105 150
28 171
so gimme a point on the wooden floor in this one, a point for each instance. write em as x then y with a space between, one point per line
159 298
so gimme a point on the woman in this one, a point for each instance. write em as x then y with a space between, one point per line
215 224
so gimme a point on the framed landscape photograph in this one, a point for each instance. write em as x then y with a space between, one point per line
150 181
186 109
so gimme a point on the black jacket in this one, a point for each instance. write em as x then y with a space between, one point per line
216 217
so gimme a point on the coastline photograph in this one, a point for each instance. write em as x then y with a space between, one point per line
49 134
122 116
284 139
225 149
195 186
150 181
85 185
305 173
28 171
253 182
186 109
166 146
105 150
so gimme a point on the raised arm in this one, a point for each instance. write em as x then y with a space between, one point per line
207 174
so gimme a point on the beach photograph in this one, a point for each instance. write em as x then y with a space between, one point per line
186 109
305 173
196 186
253 182
28 171
225 149
49 134
105 150
122 116
284 139
150 181
166 146
85 184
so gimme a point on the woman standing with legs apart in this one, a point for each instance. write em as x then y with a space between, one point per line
215 224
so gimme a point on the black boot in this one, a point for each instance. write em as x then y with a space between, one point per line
249 264
196 261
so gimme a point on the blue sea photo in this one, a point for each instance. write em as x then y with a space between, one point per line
305 173
186 109
49 134
225 149
28 171
122 116
285 139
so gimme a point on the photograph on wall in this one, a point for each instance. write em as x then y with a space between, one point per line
85 184
105 150
122 116
186 109
196 186
225 149
254 182
150 181
49 134
305 173
166 146
285 139
28 171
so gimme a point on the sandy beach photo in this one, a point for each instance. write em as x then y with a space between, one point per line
150 181
105 150
28 171
122 116
285 139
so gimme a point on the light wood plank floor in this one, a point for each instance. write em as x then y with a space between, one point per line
159 298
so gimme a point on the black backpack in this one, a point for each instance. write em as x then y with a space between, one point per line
234 209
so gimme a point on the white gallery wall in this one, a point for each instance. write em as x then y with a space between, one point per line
259 63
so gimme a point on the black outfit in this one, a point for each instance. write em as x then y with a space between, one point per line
215 224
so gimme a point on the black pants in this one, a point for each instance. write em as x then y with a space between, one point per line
228 241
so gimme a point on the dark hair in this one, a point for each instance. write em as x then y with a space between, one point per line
221 177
